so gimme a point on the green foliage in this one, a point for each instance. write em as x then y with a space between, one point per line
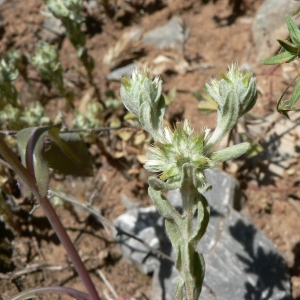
8 92
69 12
206 104
180 157
290 51
91 118
235 93
44 147
46 60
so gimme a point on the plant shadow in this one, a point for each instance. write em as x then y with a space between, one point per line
267 266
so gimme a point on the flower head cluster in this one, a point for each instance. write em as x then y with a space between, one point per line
46 60
8 72
69 9
143 97
235 94
177 148
8 92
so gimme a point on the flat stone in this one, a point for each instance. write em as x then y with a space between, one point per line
172 35
241 263
118 73
269 25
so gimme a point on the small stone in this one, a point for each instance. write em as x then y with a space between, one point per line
291 172
118 73
52 30
172 35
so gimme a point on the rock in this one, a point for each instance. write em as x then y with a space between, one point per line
120 72
241 263
147 225
269 25
172 35
52 30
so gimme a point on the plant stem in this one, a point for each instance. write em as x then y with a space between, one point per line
31 293
54 220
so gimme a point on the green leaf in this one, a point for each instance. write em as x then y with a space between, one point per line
288 46
176 240
159 185
199 270
32 142
296 93
283 57
41 147
206 104
203 212
293 30
69 155
164 207
284 107
230 152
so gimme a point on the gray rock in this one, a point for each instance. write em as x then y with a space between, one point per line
120 72
172 35
269 25
241 263
52 30
147 225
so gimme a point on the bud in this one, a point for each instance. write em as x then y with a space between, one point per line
177 148
143 97
69 9
183 146
236 94
46 60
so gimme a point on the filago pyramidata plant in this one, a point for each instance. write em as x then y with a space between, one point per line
70 14
46 60
180 157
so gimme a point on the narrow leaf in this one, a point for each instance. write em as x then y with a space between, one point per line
69 155
203 213
288 46
293 30
164 207
296 93
159 185
31 144
283 57
230 152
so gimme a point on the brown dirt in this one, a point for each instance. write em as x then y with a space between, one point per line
217 37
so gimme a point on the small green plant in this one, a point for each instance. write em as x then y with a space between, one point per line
8 92
14 115
69 12
181 156
46 60
290 51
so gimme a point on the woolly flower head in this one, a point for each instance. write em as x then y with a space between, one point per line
236 94
177 148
